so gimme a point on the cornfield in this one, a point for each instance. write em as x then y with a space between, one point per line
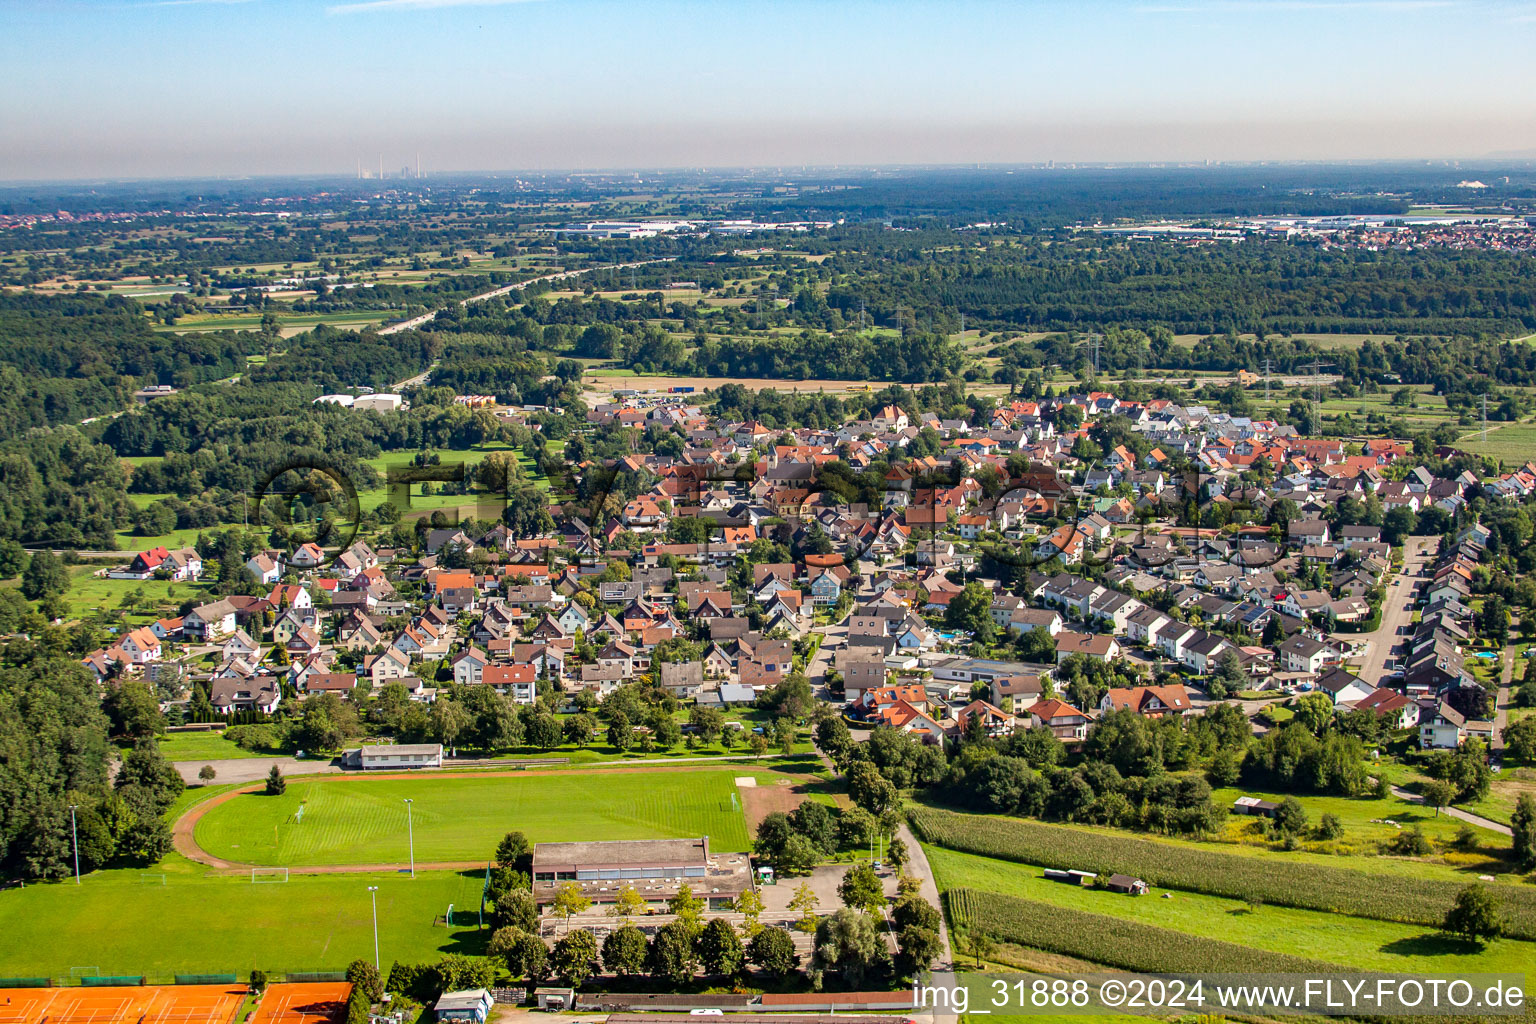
1274 880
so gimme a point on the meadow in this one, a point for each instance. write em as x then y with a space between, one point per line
202 746
459 818
1360 942
1364 818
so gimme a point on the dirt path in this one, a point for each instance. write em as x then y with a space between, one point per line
184 838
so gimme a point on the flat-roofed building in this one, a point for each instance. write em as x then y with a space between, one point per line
657 868
397 755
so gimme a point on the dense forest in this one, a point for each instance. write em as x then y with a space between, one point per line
68 357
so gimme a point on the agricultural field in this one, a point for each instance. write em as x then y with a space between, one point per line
289 324
1281 879
176 919
1514 443
459 818
1360 942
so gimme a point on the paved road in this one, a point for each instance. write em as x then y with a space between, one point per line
1502 701
1455 812
1396 610
426 318
917 867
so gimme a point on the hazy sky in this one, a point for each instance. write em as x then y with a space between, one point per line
191 87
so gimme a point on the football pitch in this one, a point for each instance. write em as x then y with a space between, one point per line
118 923
458 819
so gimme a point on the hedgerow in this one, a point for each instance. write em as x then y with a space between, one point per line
1272 879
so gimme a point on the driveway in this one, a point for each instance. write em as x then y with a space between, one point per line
1396 611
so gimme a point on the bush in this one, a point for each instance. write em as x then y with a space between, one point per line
1410 843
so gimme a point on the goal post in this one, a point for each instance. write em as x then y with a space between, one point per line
151 878
269 874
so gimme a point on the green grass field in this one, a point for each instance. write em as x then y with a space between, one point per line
201 746
121 924
1358 942
88 592
1515 443
1362 816
460 818
202 322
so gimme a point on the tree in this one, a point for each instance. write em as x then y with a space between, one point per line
514 851
503 941
529 958
624 951
574 956
665 731
750 906
916 948
1291 817
1474 916
133 710
912 909
772 951
805 902
798 856
832 737
1330 826
544 731
848 943
621 734
1520 739
580 729
1438 793
516 909
979 945
627 902
871 790
720 950
364 975
671 956
1313 710
686 906
207 773
856 829
276 784
1492 620
862 889
44 577
1522 827
1229 677
970 611
569 899
814 821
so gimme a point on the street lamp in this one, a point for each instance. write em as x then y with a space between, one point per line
374 893
410 833
75 835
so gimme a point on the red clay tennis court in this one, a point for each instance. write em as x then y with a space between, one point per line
310 1003
153 1004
